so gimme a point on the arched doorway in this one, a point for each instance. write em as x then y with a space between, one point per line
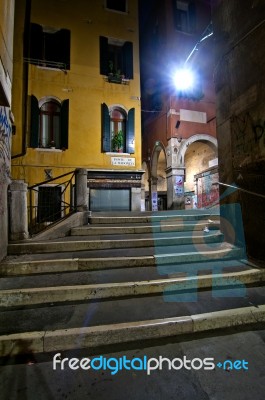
201 174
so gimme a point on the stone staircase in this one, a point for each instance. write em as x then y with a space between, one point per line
126 277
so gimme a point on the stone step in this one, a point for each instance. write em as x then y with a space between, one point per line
163 226
80 245
30 297
99 312
136 276
81 261
121 275
91 337
152 217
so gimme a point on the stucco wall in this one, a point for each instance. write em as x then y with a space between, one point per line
83 85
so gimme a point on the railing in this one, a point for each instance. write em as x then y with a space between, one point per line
242 189
51 201
46 63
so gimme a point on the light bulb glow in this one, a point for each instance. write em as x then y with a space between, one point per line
183 79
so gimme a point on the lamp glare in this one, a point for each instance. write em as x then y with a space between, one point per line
183 79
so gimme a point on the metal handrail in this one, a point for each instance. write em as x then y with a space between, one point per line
52 208
242 190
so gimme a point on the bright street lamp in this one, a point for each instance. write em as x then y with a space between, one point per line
183 79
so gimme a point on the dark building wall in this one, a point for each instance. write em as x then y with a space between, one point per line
239 29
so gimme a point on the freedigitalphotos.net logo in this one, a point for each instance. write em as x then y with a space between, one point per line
115 365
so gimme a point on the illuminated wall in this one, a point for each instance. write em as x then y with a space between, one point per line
82 86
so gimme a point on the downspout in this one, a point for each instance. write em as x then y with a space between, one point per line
26 56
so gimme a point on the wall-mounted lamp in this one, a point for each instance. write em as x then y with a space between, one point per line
177 124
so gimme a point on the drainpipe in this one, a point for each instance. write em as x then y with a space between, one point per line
26 55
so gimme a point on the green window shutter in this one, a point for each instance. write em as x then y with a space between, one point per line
105 127
63 48
35 43
57 49
103 62
130 136
34 121
64 124
127 55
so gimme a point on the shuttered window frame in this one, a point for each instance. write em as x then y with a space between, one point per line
35 123
106 134
126 68
49 49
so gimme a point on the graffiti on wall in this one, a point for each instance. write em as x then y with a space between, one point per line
5 144
5 153
259 131
248 139
207 190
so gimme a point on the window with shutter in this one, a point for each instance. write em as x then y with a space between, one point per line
49 47
116 59
49 123
130 132
118 132
34 121
184 15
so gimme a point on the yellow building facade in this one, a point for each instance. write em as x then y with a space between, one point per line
76 97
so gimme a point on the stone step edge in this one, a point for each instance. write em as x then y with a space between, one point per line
80 245
17 298
152 218
91 337
154 228
92 264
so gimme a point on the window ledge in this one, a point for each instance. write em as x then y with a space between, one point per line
48 149
109 153
119 81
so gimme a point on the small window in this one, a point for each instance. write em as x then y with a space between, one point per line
117 129
184 15
116 5
49 123
49 47
116 58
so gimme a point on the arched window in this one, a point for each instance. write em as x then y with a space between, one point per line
50 124
118 130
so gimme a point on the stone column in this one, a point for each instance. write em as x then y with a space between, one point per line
18 210
175 188
81 189
175 176
153 195
143 197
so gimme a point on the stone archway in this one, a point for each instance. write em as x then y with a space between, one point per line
176 170
199 157
185 144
